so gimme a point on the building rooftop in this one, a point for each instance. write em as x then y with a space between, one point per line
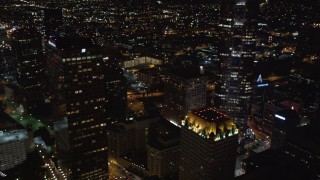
211 115
120 127
12 136
188 72
210 123
163 135
73 42
25 34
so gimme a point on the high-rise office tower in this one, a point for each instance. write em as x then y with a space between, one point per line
226 16
208 145
77 83
29 64
185 89
116 86
128 137
284 121
234 88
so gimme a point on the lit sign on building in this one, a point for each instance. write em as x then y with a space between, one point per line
52 44
280 117
263 85
259 80
174 123
201 70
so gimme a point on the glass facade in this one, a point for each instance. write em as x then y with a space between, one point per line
29 64
79 95
234 88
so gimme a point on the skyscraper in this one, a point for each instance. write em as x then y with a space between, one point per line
208 145
115 85
185 89
284 121
76 70
29 64
234 88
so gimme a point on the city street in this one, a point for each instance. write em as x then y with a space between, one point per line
118 172
52 171
257 133
136 105
238 169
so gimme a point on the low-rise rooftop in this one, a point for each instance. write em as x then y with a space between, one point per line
11 136
76 42
190 72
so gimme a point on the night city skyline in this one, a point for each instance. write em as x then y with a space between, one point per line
159 89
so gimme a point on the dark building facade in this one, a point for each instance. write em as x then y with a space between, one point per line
163 149
29 64
304 85
77 83
185 89
116 86
208 146
284 122
294 154
273 164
